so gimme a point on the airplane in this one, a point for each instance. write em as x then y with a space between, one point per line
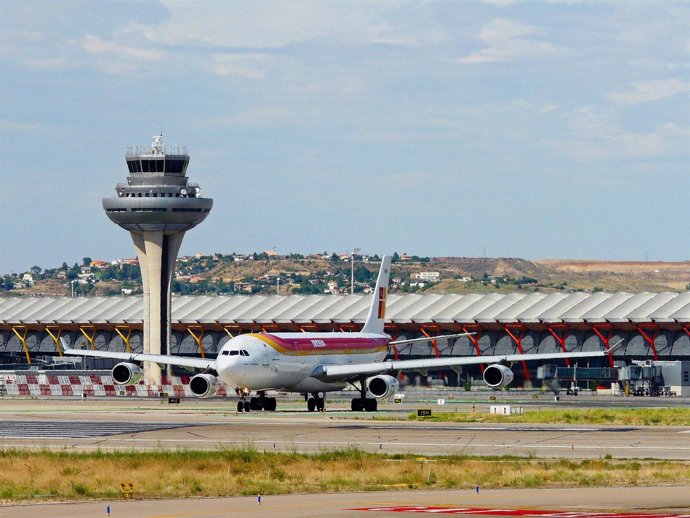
315 363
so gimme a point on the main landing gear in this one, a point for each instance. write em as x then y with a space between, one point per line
257 403
363 403
315 402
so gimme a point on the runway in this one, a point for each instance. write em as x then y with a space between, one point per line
149 424
628 502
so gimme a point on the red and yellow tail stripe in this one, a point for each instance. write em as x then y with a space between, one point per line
382 302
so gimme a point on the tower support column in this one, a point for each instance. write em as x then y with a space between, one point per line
156 252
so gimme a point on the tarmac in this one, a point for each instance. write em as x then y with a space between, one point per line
117 423
113 424
624 502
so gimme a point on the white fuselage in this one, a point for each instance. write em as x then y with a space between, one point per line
285 361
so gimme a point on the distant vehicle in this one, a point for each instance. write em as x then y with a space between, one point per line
315 363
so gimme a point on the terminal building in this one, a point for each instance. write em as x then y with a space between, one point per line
652 326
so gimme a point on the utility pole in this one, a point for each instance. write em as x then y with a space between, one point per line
352 271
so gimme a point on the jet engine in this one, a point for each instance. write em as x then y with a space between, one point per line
497 376
204 385
382 386
127 373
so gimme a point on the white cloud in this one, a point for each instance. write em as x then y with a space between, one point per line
259 117
596 135
265 24
506 39
501 3
96 45
650 91
250 66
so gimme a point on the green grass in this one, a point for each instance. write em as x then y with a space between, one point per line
608 416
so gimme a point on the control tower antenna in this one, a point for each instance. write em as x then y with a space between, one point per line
157 206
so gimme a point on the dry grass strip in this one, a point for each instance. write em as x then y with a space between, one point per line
608 416
61 475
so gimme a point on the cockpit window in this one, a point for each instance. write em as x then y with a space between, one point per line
225 353
244 353
234 353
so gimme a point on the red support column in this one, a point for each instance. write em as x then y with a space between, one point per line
687 330
608 329
435 328
650 339
561 339
475 341
518 342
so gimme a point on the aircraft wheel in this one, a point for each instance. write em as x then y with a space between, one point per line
247 406
256 403
356 405
311 404
240 406
271 404
370 405
320 404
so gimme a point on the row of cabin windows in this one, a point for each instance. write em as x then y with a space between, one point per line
235 352
157 166
152 195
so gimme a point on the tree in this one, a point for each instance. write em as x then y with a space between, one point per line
396 257
86 261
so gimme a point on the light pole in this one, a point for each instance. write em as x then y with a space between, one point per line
72 284
352 271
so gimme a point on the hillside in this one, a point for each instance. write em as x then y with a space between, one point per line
261 273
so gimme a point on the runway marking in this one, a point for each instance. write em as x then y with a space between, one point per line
541 513
75 429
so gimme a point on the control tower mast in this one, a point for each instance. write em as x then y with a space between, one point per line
157 206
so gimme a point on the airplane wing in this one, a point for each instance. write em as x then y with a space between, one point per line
343 372
428 338
198 363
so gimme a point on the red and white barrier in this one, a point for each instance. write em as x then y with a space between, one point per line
92 385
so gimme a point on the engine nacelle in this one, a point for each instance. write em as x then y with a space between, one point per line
382 386
204 385
127 373
497 376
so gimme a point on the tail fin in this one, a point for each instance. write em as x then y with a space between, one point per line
377 311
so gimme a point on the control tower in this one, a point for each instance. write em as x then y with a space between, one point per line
157 206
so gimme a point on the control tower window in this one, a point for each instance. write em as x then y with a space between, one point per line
174 165
134 166
145 166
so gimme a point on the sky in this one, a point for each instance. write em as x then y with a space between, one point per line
552 129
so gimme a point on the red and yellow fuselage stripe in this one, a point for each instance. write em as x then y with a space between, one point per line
298 346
